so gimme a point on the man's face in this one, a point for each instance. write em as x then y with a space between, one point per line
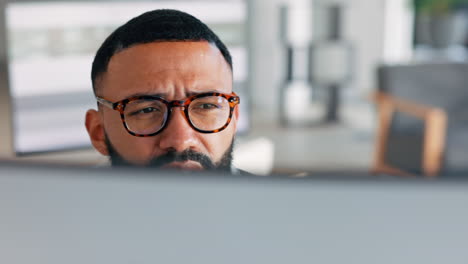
174 71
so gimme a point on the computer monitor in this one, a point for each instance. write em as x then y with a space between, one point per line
71 215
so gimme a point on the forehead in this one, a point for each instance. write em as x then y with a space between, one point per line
166 68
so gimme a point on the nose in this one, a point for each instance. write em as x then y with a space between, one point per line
178 134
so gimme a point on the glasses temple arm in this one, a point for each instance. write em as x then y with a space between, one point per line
105 102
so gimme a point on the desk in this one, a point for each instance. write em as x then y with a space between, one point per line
337 147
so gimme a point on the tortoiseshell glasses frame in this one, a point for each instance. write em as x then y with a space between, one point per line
233 100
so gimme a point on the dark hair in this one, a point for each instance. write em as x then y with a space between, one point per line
156 25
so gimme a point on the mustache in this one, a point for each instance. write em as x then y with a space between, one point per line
186 155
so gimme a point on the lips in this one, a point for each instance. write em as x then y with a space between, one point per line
186 165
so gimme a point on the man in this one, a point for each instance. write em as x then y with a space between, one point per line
163 82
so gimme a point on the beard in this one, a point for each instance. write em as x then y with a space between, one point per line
173 156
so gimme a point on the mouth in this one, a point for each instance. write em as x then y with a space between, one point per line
186 165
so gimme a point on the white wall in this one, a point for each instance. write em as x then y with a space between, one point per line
398 40
266 57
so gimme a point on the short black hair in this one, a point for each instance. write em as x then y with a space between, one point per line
153 26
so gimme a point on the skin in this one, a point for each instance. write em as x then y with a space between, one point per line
173 70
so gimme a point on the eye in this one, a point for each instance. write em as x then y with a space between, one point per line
146 110
207 106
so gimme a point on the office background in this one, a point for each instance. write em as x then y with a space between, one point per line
378 32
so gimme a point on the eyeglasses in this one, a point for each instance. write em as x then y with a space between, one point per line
145 116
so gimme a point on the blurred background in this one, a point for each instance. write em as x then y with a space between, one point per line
365 86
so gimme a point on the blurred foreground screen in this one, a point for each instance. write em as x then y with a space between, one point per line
51 46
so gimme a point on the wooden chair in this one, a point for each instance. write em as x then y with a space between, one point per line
422 120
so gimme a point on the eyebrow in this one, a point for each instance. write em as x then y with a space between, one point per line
146 94
164 95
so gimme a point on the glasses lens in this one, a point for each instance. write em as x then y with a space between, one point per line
145 116
209 113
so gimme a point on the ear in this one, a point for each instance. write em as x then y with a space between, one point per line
96 133
236 117
236 112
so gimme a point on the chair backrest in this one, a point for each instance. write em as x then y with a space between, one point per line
443 85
